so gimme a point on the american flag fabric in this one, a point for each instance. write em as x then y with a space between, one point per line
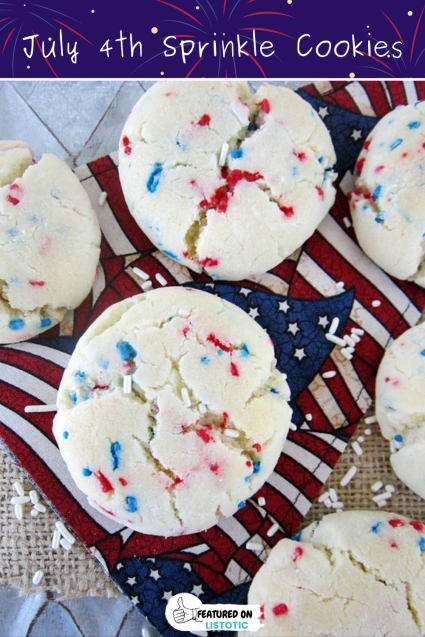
295 302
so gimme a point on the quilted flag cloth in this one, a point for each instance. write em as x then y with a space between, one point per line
295 302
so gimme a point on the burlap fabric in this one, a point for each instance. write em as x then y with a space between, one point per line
25 545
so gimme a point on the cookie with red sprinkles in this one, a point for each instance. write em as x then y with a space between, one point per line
171 412
224 180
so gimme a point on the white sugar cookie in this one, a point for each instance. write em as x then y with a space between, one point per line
223 180
171 412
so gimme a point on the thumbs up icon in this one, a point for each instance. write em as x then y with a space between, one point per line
182 614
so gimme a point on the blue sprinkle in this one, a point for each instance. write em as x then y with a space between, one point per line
65 434
421 543
126 351
295 171
398 438
219 351
365 207
205 360
274 390
16 324
131 504
320 159
115 455
244 350
379 219
376 527
412 125
377 192
423 352
152 183
170 254
45 322
241 504
35 219
237 153
12 232
297 537
80 376
73 397
103 363
256 465
86 472
395 144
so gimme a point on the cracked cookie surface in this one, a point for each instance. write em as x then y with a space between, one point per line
354 573
400 405
388 203
223 180
49 242
201 426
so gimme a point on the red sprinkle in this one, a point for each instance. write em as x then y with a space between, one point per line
37 284
288 211
204 435
220 198
185 331
297 552
105 485
214 468
359 165
99 388
280 609
301 156
387 379
379 168
215 341
209 262
257 446
127 150
205 120
225 417
12 200
395 522
262 611
264 105
418 526
404 154
320 192
248 463
177 480
126 141
234 369
123 481
367 144
394 545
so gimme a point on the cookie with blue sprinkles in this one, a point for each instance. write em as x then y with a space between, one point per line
223 180
171 412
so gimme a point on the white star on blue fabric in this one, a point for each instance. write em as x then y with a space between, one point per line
300 353
284 306
293 328
197 590
356 134
323 321
155 574
253 312
131 581
167 595
323 111
135 600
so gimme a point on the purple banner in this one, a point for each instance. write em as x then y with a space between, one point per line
212 38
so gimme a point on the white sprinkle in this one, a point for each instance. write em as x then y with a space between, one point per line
102 198
34 513
368 432
19 511
56 539
38 576
327 503
355 338
349 350
127 383
241 116
348 355
146 285
34 496
141 273
254 546
360 439
273 529
183 312
223 154
19 488
340 285
232 433
358 331
64 532
382 503
323 497
261 501
397 444
347 222
334 325
309 417
186 397
335 339
337 505
349 341
65 544
390 488
376 303
161 280
393 447
348 476
202 408
329 374
40 507
382 496
20 499
333 495
292 427
370 420
39 408
377 485
357 448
